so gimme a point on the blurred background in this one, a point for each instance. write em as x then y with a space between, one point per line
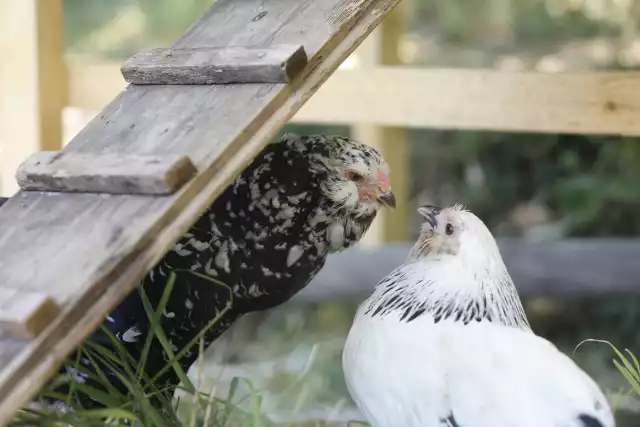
561 192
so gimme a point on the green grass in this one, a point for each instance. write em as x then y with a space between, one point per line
134 407
197 406
627 364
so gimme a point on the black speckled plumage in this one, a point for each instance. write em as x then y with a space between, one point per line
265 237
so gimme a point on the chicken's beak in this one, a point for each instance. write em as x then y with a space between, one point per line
387 199
429 213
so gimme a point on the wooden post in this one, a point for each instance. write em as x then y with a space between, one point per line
32 83
382 48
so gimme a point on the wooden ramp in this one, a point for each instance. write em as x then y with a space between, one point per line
74 256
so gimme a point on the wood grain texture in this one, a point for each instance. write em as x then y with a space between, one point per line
105 173
215 65
221 127
572 268
10 348
24 315
593 103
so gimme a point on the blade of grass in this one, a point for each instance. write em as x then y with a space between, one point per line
624 360
635 360
203 331
154 319
207 414
256 402
162 338
105 413
72 383
232 392
629 371
628 376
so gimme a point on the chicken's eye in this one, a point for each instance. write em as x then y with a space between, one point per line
355 176
449 229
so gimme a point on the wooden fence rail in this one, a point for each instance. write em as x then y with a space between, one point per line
578 267
596 103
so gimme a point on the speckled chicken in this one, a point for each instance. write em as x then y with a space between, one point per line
264 238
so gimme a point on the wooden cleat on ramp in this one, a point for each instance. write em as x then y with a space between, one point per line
23 315
104 173
215 65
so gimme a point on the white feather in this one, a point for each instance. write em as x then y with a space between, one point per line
482 373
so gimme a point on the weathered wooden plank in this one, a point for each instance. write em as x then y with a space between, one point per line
25 314
572 268
92 249
105 173
595 103
10 348
215 65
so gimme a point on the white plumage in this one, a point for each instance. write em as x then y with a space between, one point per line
444 342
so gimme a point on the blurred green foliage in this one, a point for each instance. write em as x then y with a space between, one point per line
116 29
530 23
590 185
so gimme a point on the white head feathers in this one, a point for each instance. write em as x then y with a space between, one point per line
453 271
454 231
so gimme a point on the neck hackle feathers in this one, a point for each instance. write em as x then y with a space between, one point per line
454 271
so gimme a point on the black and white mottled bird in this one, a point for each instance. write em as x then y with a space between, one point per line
265 238
444 341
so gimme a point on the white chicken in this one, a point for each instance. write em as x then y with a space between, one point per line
444 342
